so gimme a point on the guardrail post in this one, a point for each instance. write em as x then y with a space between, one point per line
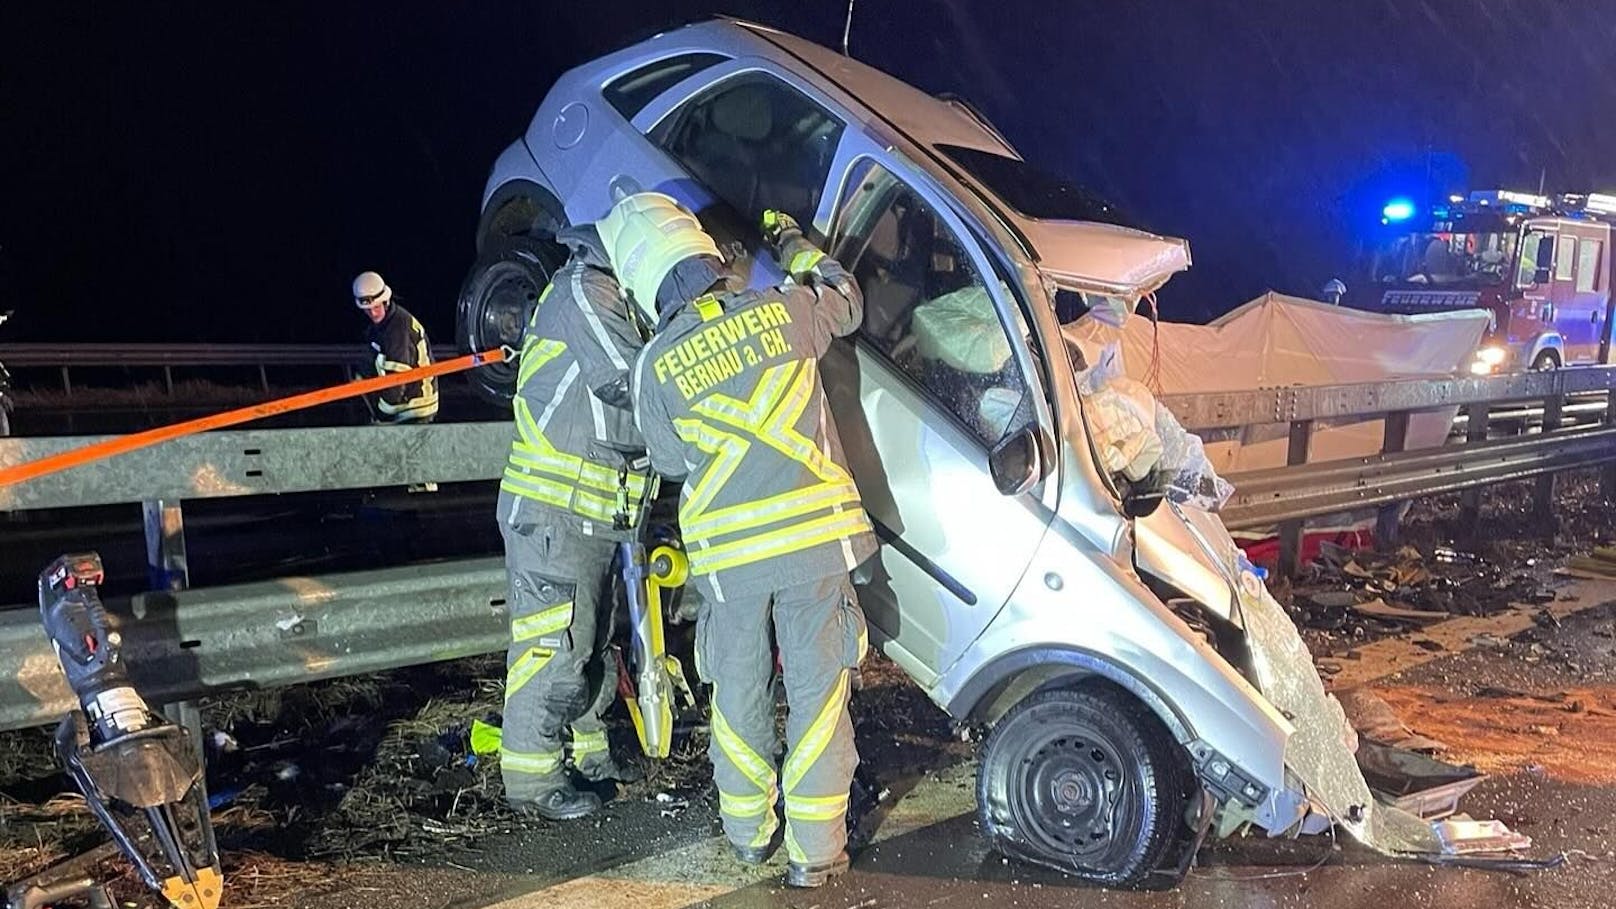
1470 499
67 383
1290 532
168 380
263 378
1543 497
1393 440
166 565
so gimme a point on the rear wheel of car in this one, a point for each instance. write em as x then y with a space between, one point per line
1546 361
1086 781
496 300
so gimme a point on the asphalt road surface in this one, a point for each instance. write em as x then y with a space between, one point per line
1537 711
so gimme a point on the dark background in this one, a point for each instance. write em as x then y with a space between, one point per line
220 171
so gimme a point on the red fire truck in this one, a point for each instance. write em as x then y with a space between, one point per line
1540 265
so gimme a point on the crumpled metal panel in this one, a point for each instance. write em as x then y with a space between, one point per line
1321 751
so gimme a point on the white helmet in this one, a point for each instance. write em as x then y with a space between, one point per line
646 235
369 290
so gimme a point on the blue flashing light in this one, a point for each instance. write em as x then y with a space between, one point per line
1397 210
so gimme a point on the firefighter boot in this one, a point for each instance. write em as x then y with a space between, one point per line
564 803
816 874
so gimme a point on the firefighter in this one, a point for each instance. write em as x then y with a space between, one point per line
570 491
728 396
399 343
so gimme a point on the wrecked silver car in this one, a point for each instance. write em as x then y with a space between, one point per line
1141 685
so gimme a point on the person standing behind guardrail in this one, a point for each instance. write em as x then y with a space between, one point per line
399 344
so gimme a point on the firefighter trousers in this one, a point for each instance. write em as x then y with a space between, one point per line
821 635
559 672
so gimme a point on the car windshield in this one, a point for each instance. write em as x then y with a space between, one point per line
1033 192
1446 258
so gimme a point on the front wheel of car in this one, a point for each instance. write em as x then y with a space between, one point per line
1546 361
1086 781
496 301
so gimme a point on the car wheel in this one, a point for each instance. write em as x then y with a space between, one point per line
1546 361
1085 781
495 302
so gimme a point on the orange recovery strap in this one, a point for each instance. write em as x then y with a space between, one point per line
108 448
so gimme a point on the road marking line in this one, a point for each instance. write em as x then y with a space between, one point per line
1380 659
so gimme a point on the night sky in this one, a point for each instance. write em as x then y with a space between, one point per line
220 171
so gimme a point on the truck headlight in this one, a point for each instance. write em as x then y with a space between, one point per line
1487 360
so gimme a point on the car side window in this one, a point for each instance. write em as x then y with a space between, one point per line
926 308
757 143
632 91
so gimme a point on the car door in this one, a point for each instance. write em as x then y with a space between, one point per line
930 382
1588 302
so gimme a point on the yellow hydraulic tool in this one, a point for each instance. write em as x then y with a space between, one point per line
657 674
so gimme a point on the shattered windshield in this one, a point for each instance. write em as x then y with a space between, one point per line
1033 192
1446 258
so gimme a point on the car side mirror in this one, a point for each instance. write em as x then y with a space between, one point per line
1013 462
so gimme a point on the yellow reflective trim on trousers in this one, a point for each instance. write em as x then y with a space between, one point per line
793 851
743 805
818 737
538 763
793 538
525 668
750 515
742 756
816 807
542 623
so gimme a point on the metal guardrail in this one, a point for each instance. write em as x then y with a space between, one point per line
64 358
185 644
244 355
247 636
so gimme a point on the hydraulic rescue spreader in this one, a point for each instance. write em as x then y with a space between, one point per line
140 774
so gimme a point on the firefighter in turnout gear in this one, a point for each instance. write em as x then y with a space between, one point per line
728 396
570 492
398 343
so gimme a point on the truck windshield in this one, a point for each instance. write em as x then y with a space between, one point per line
1446 258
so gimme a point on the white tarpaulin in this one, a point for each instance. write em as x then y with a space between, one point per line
1277 341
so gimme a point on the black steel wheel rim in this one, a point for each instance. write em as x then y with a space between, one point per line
1073 795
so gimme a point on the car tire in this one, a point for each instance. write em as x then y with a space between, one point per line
1546 361
495 302
1086 781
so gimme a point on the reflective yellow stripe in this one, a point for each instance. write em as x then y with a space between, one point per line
816 807
535 353
727 449
538 624
743 757
559 495
743 805
750 515
793 851
813 742
568 467
539 763
525 668
587 743
707 307
793 538
804 261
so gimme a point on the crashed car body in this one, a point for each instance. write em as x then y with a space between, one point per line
1020 585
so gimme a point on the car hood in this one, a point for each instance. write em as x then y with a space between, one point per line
1105 257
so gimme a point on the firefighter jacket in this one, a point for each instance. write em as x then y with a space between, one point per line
398 343
575 449
728 395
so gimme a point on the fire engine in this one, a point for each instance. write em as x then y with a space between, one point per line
1540 265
